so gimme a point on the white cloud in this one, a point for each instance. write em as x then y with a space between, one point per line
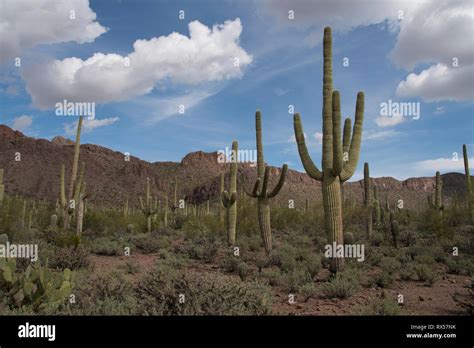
378 135
25 24
389 121
429 167
292 138
438 33
440 110
341 15
439 82
22 122
208 54
319 137
89 125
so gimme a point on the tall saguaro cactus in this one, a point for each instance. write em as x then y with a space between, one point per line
229 198
221 205
435 200
334 170
260 189
70 205
367 201
148 208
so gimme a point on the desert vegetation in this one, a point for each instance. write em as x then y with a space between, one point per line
234 255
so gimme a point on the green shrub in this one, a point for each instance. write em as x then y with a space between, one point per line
106 246
150 243
273 275
459 265
380 306
307 290
70 257
382 280
165 293
425 274
343 284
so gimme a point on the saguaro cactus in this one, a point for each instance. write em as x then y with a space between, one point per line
74 185
468 181
260 189
435 200
229 198
377 210
367 201
2 186
148 207
334 170
394 229
221 205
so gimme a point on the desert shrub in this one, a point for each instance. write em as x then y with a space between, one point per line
273 275
312 264
390 264
406 272
170 293
106 246
380 306
230 263
204 249
194 228
343 284
130 268
459 265
283 258
307 290
70 257
382 280
286 218
296 278
425 274
109 294
407 238
150 243
425 259
432 222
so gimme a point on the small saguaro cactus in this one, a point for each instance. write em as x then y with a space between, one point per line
165 217
367 201
229 198
221 205
334 169
435 200
470 191
2 186
394 229
148 207
260 189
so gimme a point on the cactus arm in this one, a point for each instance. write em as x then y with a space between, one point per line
280 183
346 137
308 164
354 151
76 158
327 100
228 199
263 192
337 163
142 206
254 192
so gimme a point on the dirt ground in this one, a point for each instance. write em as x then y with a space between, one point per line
419 299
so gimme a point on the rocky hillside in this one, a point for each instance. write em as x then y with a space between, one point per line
111 179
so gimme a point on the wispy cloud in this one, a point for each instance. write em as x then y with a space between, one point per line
89 125
22 122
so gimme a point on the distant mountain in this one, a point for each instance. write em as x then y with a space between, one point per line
110 179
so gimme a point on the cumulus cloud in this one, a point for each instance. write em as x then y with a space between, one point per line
25 24
389 121
22 122
439 82
438 33
208 54
341 15
89 125
428 167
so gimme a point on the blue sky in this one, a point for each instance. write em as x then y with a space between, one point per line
389 59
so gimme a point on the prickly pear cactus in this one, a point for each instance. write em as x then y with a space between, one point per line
37 287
